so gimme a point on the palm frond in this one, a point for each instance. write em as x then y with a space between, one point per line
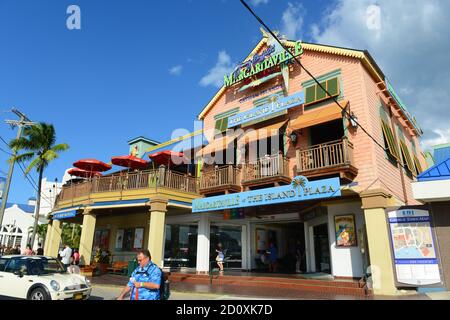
36 163
21 157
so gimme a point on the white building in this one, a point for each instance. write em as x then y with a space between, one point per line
18 218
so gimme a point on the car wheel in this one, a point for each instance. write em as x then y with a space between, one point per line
39 294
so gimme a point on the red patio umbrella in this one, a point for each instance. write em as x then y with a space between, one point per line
92 165
168 157
83 173
129 162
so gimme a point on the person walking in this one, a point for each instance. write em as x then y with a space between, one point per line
299 256
28 251
65 255
145 280
220 257
40 251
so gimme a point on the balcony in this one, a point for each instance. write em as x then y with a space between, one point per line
335 157
152 179
227 178
266 170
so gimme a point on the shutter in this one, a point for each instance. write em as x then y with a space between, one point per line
224 124
218 124
409 161
321 94
310 94
418 166
333 87
392 147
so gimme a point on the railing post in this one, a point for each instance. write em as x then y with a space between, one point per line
345 150
280 164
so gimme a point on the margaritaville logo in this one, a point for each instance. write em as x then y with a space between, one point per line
299 190
269 58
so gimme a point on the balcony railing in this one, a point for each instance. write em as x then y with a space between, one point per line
327 155
131 181
220 177
266 167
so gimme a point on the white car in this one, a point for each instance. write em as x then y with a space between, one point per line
40 278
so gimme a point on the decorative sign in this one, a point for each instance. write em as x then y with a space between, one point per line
299 190
260 62
277 104
119 239
138 238
415 257
345 230
65 215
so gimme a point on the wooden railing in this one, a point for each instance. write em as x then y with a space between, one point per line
271 166
325 155
225 176
130 181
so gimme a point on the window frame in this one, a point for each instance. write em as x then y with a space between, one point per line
317 89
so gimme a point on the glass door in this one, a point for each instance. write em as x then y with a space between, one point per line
231 239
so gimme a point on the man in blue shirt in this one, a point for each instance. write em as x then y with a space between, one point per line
145 280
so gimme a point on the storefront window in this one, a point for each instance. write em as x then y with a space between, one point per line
231 240
180 246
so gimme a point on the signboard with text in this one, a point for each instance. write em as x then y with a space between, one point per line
276 105
299 190
414 252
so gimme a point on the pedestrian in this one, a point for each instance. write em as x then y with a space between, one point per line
220 257
273 258
17 250
65 255
76 257
40 251
28 251
2 250
145 280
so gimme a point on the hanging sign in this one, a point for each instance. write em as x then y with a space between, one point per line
414 252
277 104
299 190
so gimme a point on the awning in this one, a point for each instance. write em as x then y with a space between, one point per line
320 115
262 133
219 144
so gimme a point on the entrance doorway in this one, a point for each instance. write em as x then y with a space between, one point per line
321 248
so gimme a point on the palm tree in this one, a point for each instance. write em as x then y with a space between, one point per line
39 143
41 231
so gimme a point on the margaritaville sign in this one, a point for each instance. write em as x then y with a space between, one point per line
299 190
276 104
269 58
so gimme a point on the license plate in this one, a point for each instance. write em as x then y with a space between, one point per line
78 296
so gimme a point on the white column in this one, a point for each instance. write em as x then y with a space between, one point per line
245 248
203 244
250 246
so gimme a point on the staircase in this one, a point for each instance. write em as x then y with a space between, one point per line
341 287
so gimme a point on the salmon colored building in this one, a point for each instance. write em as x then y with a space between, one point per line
283 164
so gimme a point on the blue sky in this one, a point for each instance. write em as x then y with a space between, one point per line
142 67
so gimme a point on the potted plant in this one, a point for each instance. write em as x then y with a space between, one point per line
102 259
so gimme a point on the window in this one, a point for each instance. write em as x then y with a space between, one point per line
222 125
389 141
16 265
3 264
315 93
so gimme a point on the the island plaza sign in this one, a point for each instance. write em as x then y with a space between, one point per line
269 58
299 190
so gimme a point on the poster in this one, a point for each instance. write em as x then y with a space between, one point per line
345 230
260 240
138 238
128 239
414 252
119 239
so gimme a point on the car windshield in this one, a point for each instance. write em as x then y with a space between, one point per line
45 266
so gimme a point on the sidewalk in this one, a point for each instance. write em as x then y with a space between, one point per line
115 282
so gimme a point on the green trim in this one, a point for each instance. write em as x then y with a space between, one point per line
226 113
325 77
440 146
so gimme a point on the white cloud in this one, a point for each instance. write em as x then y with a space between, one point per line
410 40
292 21
258 2
176 70
441 137
214 77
